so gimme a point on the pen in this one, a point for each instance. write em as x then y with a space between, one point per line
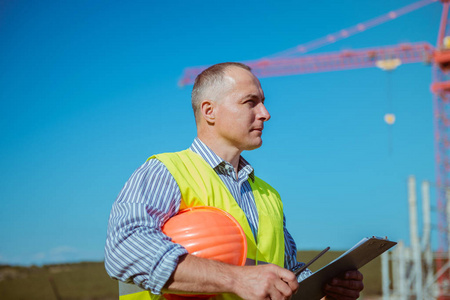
301 269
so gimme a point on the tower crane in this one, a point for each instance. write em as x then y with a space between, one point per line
293 61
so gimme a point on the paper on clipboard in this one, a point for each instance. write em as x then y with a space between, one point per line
356 257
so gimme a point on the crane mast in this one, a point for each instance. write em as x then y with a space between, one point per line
441 99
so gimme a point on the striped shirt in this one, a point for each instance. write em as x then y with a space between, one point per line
138 252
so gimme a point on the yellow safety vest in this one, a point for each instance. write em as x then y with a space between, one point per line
200 185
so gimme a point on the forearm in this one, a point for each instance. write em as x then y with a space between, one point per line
199 275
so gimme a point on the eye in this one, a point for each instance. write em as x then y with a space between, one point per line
250 102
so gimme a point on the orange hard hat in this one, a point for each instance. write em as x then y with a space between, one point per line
207 232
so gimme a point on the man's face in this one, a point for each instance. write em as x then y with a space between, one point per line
240 114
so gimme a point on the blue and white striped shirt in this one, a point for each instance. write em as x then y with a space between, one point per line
137 251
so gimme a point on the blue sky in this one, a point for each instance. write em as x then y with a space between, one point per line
88 91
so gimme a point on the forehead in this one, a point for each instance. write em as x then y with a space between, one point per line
244 81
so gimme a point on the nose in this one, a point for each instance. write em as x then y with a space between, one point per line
264 113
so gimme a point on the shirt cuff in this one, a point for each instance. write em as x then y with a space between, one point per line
166 266
304 274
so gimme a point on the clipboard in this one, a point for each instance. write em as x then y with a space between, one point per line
363 252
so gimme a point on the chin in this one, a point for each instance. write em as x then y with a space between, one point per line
254 146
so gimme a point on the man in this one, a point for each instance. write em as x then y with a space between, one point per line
228 104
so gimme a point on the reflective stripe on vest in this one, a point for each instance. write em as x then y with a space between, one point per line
200 185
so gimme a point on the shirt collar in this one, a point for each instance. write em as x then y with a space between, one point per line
214 160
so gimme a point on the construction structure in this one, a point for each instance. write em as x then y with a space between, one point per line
294 61
413 272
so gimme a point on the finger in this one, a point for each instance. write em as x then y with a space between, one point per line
290 279
339 292
292 285
336 296
354 274
347 284
283 288
276 295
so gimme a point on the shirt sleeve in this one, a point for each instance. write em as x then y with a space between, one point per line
290 255
136 250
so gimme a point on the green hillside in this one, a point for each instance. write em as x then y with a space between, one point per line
81 281
89 281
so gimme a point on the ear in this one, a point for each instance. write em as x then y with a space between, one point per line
207 109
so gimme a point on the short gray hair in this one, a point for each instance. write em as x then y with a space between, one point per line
210 83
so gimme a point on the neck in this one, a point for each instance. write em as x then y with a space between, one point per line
223 150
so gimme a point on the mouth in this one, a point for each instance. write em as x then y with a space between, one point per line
258 129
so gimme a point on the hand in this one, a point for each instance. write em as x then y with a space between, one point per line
265 282
346 287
